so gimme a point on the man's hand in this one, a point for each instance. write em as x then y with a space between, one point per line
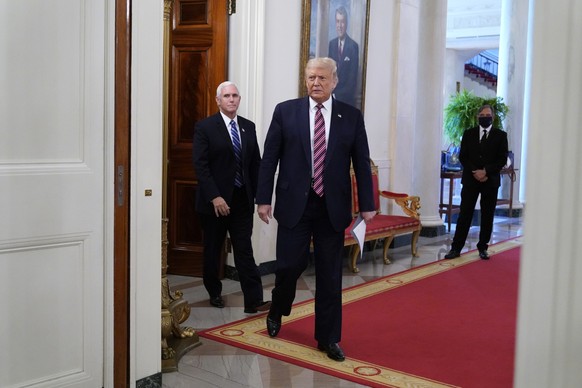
480 175
265 212
367 216
221 208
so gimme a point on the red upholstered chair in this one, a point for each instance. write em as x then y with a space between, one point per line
385 226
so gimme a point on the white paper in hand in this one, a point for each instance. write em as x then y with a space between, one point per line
359 233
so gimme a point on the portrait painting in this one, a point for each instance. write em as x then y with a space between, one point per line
338 29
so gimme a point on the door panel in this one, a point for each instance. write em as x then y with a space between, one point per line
52 197
198 42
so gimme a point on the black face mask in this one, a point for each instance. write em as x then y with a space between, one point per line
485 122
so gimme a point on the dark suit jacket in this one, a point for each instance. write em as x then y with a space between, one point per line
288 145
214 161
493 157
347 69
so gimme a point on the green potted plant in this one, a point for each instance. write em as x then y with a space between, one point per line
461 114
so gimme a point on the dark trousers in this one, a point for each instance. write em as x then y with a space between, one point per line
293 250
239 224
469 195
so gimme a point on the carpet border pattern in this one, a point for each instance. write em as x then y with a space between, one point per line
250 333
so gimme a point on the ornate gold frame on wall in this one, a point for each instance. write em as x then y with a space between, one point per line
307 35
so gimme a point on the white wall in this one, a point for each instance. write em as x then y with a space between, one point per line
264 46
380 78
478 88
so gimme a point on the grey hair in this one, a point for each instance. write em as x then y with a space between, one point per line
224 85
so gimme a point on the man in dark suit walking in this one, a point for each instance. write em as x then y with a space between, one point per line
226 158
345 51
314 140
483 154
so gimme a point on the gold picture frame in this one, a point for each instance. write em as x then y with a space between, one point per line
323 22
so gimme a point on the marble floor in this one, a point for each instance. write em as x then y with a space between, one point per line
213 364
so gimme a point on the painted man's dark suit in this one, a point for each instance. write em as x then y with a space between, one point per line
347 69
301 214
491 155
215 165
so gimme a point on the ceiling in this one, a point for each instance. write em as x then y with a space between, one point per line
473 25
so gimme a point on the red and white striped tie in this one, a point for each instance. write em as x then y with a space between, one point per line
318 151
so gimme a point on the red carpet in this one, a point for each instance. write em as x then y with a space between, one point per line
450 323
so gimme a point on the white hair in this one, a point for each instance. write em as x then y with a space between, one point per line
224 85
324 62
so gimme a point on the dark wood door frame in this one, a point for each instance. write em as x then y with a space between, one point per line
121 269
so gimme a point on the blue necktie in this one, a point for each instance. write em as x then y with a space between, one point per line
238 179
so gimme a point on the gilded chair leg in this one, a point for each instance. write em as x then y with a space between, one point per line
387 242
414 240
355 253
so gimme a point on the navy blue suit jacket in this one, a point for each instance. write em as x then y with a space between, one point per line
288 145
215 164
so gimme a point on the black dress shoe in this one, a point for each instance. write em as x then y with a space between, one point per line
452 254
273 325
484 255
217 301
333 351
262 306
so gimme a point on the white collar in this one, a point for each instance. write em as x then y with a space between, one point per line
227 119
326 104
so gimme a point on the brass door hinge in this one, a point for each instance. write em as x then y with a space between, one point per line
231 6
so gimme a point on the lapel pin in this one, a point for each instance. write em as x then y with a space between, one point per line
338 115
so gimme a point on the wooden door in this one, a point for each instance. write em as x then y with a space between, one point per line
197 65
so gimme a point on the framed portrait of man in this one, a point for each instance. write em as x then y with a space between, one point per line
338 29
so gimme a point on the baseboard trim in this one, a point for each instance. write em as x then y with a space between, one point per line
433 231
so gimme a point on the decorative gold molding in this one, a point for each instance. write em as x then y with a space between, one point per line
168 6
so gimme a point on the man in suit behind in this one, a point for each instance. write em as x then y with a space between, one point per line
483 154
226 159
345 51
314 140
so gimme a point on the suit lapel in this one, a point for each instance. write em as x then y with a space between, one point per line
222 129
334 126
243 136
303 127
